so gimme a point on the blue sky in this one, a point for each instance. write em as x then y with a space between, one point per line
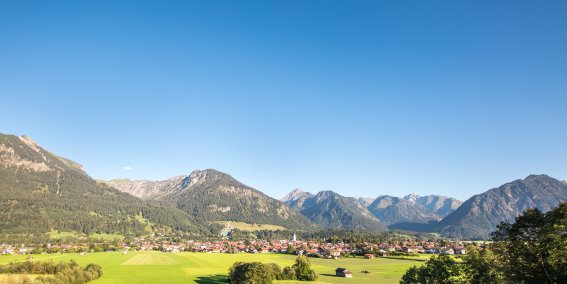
360 97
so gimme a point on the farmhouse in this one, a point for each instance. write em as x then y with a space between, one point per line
343 272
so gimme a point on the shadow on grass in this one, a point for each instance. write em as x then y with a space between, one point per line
332 275
213 279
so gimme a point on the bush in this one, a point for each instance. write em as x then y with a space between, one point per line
253 273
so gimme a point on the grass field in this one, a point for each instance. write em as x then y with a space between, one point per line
158 267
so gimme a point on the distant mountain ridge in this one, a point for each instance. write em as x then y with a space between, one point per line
392 210
389 210
438 204
212 196
477 217
330 209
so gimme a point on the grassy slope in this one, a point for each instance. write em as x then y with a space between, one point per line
157 267
250 227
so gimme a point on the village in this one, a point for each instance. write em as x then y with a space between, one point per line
309 248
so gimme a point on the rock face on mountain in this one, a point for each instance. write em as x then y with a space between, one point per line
146 189
40 191
392 210
211 196
477 217
330 209
296 198
412 197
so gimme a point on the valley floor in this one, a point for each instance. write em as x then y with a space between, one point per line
158 267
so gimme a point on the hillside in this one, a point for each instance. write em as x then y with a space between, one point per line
333 210
212 196
477 217
392 210
41 191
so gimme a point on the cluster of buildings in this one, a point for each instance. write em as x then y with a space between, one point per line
310 248
11 249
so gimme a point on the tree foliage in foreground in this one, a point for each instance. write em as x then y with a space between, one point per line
531 250
265 273
439 270
534 248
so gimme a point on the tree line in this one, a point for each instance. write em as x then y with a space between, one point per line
61 273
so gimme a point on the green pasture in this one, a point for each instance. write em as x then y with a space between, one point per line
158 267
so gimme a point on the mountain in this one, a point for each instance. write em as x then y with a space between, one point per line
438 204
392 210
365 201
477 217
330 209
412 197
40 191
212 196
296 198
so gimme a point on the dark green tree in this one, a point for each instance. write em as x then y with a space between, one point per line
254 273
303 269
438 270
290 249
534 248
482 266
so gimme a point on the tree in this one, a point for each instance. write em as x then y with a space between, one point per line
482 266
290 249
534 248
438 270
254 273
303 269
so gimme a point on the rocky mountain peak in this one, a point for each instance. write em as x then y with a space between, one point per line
412 197
295 195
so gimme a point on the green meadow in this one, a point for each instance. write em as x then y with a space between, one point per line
158 267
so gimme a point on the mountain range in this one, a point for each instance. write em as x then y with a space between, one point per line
332 210
40 192
212 196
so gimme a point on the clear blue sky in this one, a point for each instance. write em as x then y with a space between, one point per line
360 97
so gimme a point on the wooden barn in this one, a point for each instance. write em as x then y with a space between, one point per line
343 272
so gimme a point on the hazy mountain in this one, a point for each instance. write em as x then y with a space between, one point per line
330 209
210 195
477 217
365 201
40 191
438 204
391 210
441 205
